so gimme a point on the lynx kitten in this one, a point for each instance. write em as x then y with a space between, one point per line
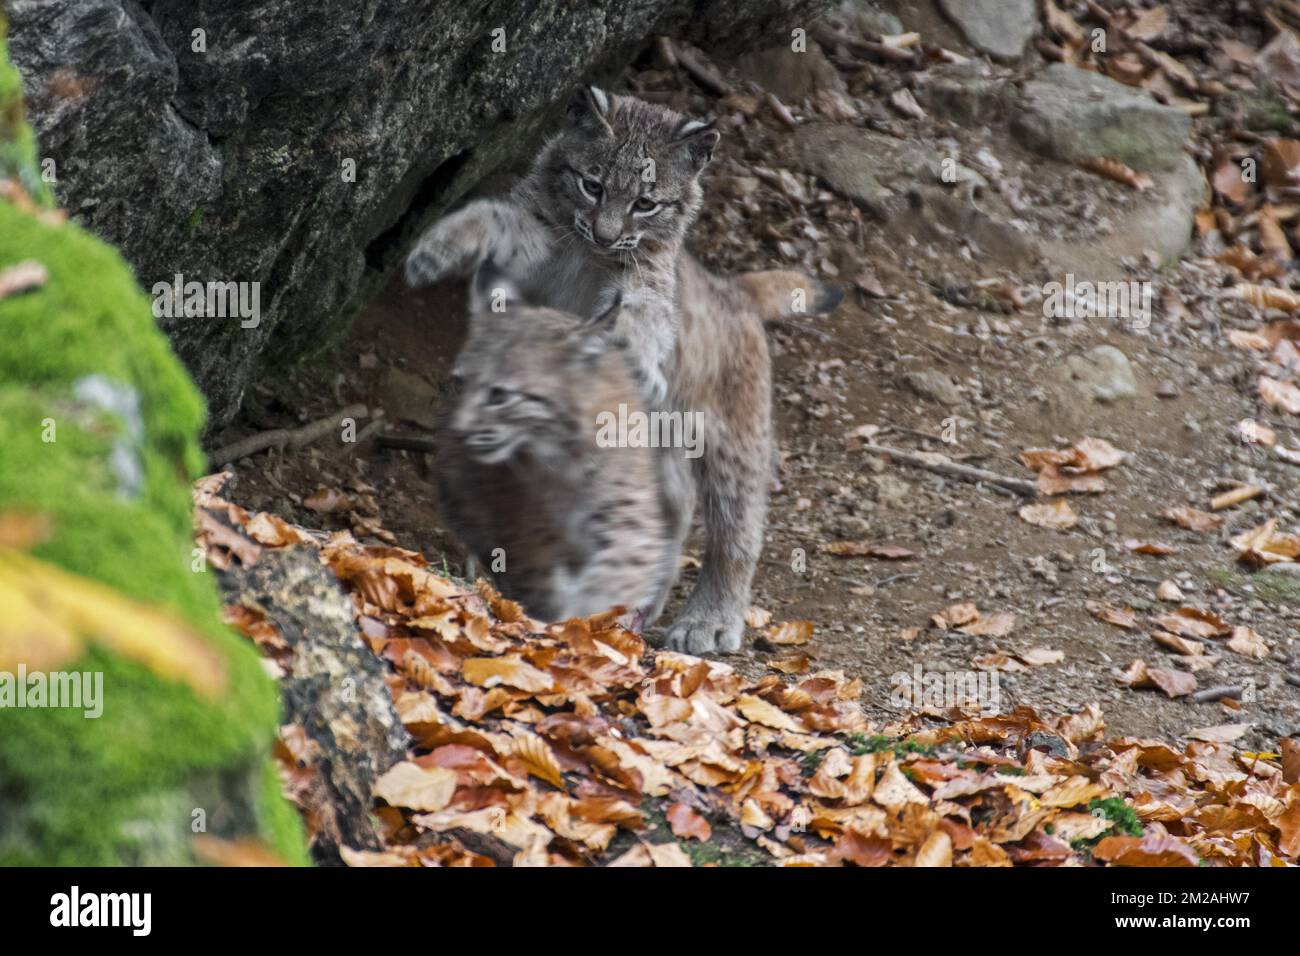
565 527
608 203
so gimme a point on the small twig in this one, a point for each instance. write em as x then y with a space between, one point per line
701 70
291 438
780 110
897 577
664 51
943 465
829 36
376 425
1218 693
26 275
406 444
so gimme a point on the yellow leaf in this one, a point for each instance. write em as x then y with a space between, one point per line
761 712
491 671
48 615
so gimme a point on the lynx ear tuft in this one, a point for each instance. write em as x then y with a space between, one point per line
699 138
589 108
492 290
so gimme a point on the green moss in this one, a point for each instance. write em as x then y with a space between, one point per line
195 219
726 847
1267 111
122 788
1123 819
860 744
17 145
1269 586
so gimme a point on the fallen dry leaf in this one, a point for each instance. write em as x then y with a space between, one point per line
687 823
1053 514
790 633
409 785
1193 520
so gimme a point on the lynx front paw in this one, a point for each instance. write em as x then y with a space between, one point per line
706 633
434 260
652 386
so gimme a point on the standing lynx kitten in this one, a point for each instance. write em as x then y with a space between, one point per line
607 204
567 528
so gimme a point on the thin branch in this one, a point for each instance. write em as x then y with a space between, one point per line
290 438
943 465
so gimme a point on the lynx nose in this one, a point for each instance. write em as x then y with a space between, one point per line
605 234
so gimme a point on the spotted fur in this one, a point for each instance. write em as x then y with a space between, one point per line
564 526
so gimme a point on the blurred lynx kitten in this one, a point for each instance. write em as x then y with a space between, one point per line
566 527
607 204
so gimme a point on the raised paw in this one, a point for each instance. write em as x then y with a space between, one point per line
432 261
700 634
651 385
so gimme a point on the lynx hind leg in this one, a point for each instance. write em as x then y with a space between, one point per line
456 245
734 491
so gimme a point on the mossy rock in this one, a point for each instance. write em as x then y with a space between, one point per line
99 433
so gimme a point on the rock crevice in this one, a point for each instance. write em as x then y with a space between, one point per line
300 145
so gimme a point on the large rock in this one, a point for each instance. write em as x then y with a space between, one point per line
215 140
1103 373
98 434
791 75
1000 28
1072 115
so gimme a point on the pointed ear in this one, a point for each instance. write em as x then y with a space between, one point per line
589 108
699 139
492 290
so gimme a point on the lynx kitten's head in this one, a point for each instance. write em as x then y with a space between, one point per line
528 377
624 173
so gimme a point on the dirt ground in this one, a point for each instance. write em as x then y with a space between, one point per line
834 375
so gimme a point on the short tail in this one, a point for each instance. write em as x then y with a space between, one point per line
782 294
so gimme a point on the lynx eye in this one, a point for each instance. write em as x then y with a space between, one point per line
645 204
590 187
498 397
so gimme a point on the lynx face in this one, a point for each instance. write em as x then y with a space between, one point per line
624 174
521 378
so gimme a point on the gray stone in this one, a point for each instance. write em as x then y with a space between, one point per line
871 169
1000 28
1072 115
902 184
934 385
1159 221
227 164
963 94
791 76
891 492
1103 373
869 18
408 397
